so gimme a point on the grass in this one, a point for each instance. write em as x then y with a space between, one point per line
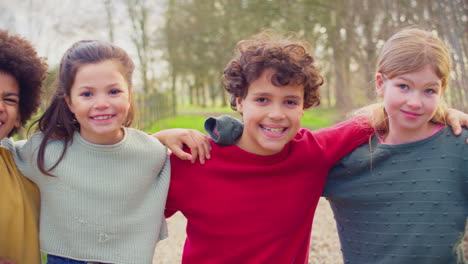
194 121
313 119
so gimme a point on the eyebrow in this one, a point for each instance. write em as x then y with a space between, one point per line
293 97
11 94
412 83
269 94
92 87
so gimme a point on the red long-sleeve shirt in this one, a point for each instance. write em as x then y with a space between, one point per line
247 208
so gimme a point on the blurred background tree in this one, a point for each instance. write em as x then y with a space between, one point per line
182 46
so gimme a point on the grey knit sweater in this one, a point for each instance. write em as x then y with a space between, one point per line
404 203
106 202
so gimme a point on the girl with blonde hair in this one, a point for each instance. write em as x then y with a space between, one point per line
403 197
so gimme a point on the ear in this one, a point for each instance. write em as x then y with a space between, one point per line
69 103
379 84
239 105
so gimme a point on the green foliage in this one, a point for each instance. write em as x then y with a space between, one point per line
208 109
181 121
345 36
316 118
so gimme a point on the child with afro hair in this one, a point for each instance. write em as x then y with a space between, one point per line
22 72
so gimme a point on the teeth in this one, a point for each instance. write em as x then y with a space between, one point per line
102 117
1 123
274 130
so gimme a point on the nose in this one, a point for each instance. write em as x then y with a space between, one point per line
276 112
413 100
101 102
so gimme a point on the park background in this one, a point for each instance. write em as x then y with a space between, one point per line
181 47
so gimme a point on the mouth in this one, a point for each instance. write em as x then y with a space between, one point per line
274 130
102 117
411 114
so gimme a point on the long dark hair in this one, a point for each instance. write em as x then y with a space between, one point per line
58 122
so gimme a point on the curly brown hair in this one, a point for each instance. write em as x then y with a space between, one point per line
287 56
19 59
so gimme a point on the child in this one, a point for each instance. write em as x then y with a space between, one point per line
254 202
103 185
403 196
21 74
223 130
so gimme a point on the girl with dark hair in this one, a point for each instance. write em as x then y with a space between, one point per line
103 184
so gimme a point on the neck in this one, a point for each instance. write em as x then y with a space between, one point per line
105 139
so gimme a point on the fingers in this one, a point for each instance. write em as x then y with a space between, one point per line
179 152
196 154
454 122
203 146
198 143
456 119
207 146
464 122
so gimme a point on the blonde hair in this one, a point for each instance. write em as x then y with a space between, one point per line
407 51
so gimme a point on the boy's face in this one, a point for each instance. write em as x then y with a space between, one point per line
9 104
272 115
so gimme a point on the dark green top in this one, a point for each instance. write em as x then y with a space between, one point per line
404 203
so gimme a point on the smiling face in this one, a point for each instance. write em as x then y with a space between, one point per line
410 101
271 114
100 100
9 102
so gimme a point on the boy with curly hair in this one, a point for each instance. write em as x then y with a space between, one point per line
254 202
22 72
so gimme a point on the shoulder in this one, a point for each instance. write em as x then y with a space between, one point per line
12 145
303 134
464 132
142 138
448 136
218 154
5 153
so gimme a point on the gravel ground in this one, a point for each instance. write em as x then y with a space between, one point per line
324 249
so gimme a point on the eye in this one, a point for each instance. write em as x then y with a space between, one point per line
261 100
86 94
11 101
291 102
114 91
430 91
403 86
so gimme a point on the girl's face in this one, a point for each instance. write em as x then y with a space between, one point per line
9 103
100 100
410 101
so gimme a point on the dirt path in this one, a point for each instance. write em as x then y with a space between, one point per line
324 248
